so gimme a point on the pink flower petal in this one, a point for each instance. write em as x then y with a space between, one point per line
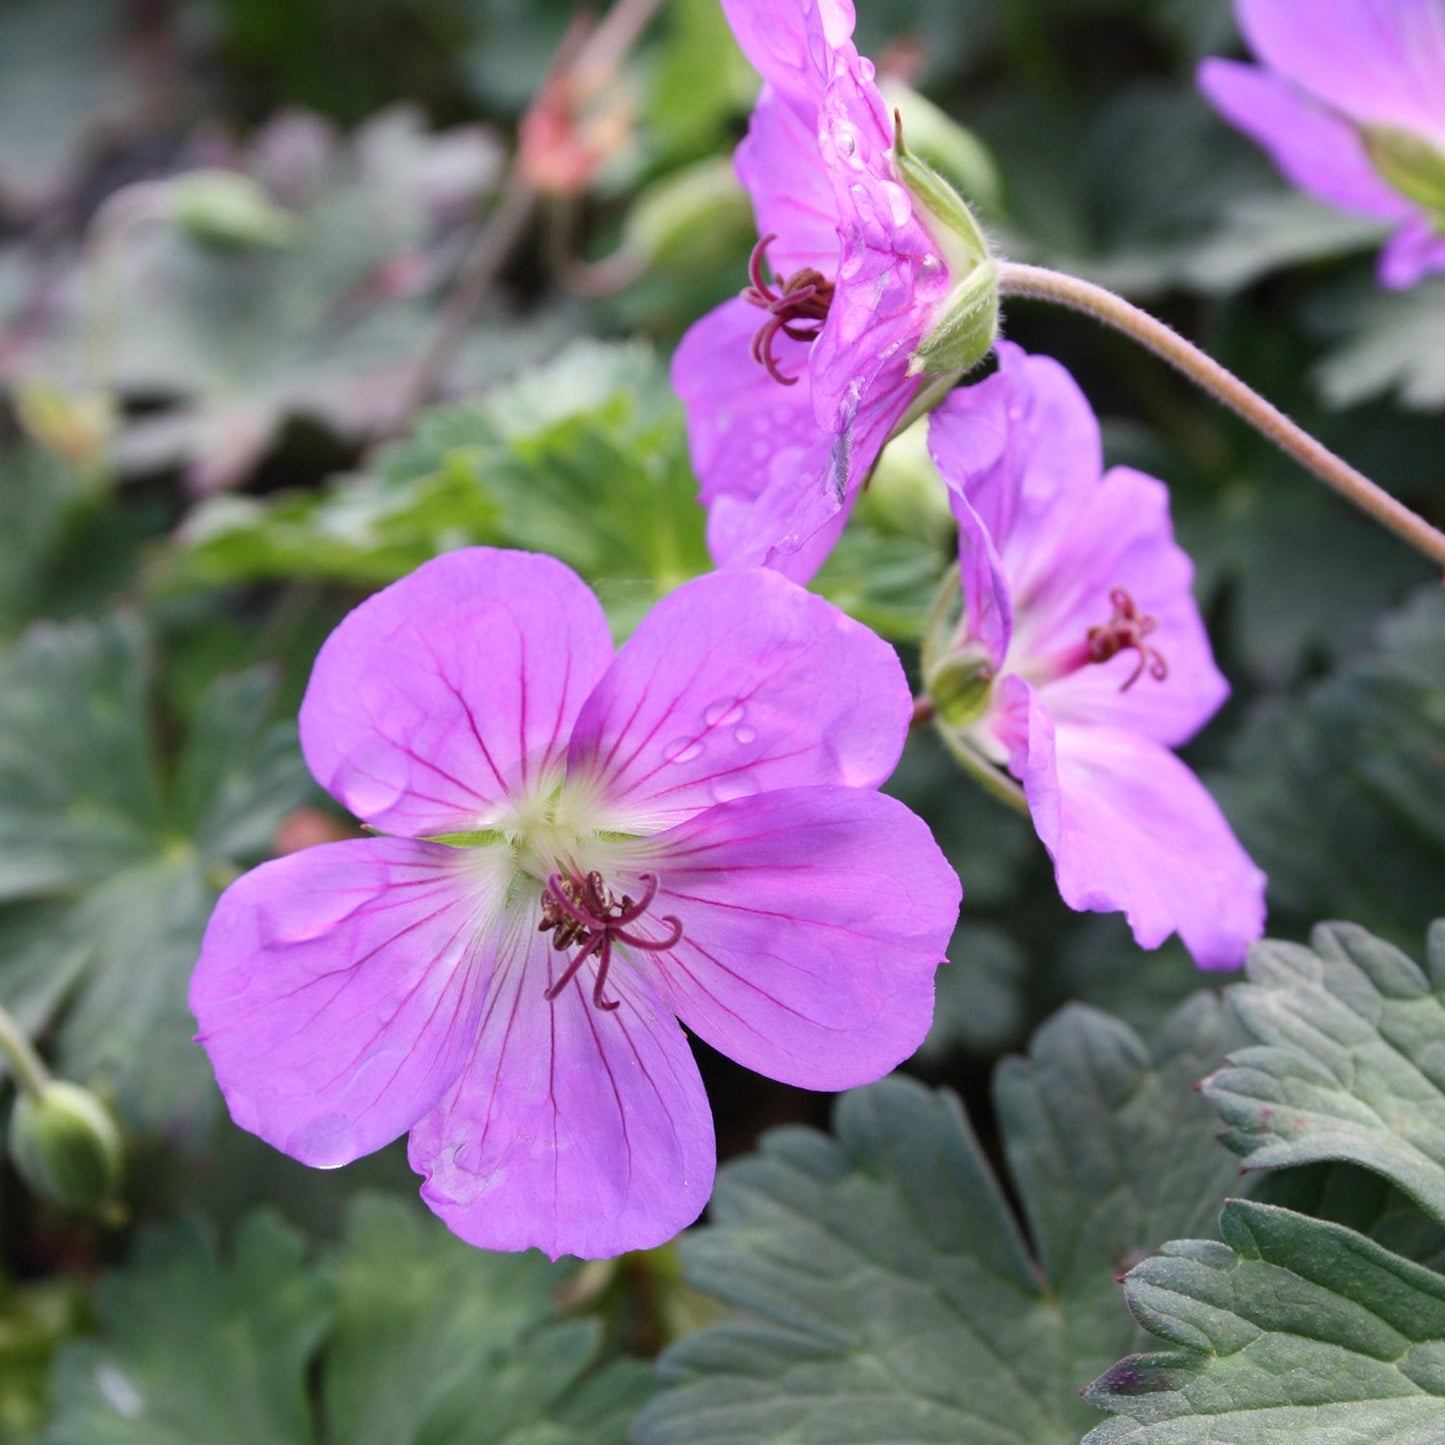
891 279
1130 828
1122 539
1014 449
452 690
813 922
737 683
1411 255
574 1129
794 45
777 162
1378 62
1314 148
338 992
744 533
741 423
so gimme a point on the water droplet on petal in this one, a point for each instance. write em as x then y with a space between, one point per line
744 735
324 1143
682 750
846 139
725 710
732 785
930 265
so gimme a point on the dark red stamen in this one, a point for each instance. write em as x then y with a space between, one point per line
797 308
1126 631
585 910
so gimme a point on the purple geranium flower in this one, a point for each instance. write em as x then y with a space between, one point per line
577 845
793 388
1352 109
1081 660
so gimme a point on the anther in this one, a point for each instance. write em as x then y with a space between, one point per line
797 308
1125 631
584 910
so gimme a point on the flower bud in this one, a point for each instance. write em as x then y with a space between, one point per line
691 218
967 324
905 494
67 1147
1409 164
75 425
227 208
960 686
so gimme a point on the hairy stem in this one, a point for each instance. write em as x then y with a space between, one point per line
1045 285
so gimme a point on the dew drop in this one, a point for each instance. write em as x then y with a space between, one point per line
930 265
745 735
119 1393
732 785
722 712
324 1143
682 750
899 206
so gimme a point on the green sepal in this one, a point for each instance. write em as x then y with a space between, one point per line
1409 164
968 318
960 686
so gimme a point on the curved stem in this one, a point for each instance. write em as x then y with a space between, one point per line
29 1072
1045 285
1006 789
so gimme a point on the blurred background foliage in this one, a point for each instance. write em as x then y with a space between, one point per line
224 418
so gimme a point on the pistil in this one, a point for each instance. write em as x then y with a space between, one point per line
1125 631
584 910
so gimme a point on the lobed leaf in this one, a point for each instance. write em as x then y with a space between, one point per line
1349 1064
109 867
1292 1329
888 1291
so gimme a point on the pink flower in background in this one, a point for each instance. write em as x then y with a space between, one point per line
1351 107
792 388
1080 661
579 848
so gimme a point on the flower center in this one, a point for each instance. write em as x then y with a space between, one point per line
584 910
797 308
1125 631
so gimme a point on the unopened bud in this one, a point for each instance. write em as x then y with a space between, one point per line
905 494
68 1148
960 686
227 208
75 425
967 324
691 218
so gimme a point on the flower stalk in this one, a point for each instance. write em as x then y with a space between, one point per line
30 1074
1041 284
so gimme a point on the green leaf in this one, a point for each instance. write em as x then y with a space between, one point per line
889 1292
196 1350
438 1343
585 458
1340 796
1391 346
110 866
1292 1329
1348 1065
